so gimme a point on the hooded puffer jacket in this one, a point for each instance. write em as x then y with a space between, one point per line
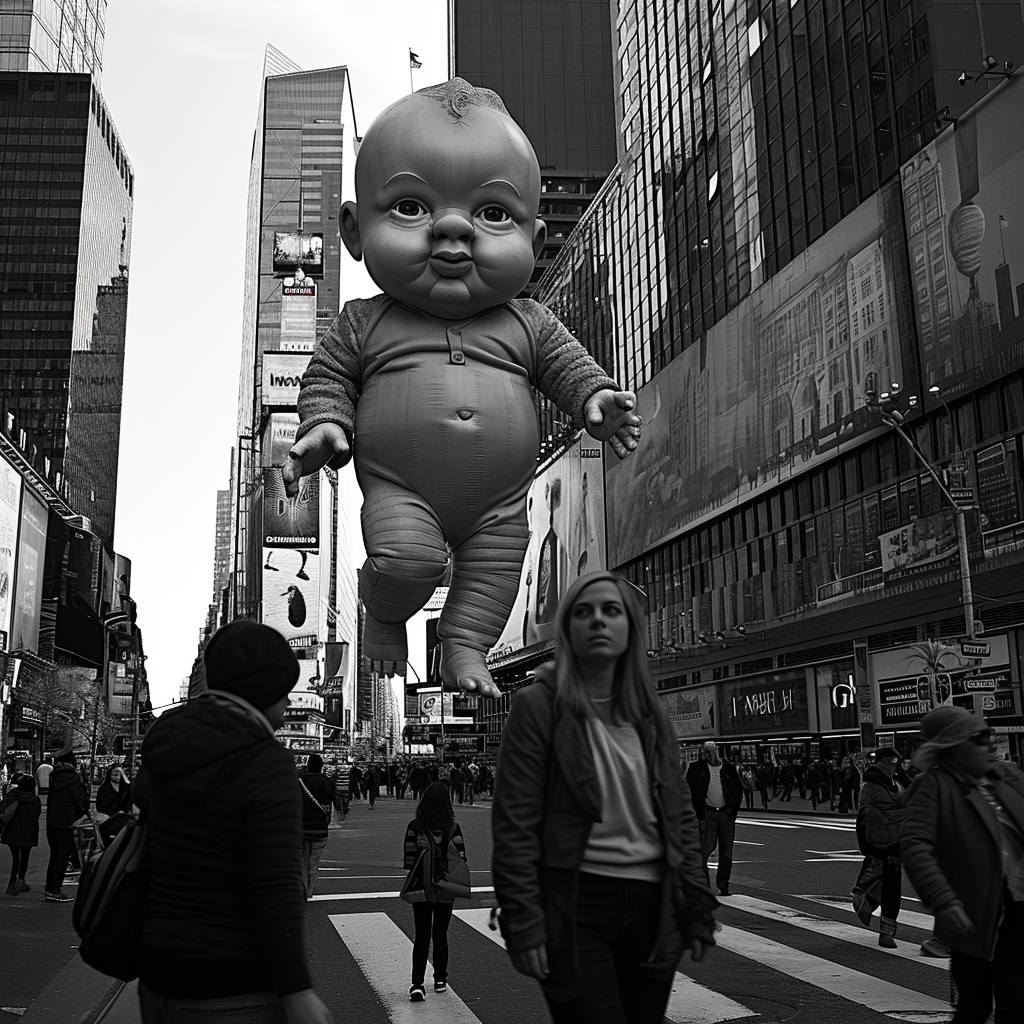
226 901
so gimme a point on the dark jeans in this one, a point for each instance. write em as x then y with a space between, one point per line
718 827
432 920
616 924
19 862
62 844
254 1008
978 981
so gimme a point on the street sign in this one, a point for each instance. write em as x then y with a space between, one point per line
975 649
962 495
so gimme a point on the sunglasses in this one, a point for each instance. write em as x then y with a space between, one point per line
983 738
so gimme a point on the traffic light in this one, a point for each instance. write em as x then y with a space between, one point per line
943 688
924 690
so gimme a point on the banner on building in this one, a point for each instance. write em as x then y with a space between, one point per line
10 512
692 711
290 522
295 249
291 591
282 372
926 545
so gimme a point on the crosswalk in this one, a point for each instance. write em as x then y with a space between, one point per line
816 954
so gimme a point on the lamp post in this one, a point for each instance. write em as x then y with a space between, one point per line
887 403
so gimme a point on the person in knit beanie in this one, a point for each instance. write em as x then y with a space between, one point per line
963 849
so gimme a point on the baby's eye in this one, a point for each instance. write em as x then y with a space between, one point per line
494 215
409 208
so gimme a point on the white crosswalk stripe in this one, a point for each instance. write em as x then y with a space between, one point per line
383 952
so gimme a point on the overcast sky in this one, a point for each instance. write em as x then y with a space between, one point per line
182 81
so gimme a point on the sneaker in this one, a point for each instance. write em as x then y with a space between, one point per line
440 986
936 948
59 897
724 891
417 993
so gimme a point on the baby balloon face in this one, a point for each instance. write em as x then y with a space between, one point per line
447 209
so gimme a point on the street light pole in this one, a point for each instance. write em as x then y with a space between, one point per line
890 414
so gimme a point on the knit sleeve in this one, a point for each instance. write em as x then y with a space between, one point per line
411 849
272 869
566 373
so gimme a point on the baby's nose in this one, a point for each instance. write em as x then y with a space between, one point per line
453 223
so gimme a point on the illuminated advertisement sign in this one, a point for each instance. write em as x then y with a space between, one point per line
291 592
692 711
293 249
279 437
298 318
290 522
282 372
773 703
565 511
10 512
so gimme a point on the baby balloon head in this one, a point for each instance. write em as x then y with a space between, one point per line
447 194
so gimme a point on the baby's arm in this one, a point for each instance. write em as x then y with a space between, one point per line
327 400
569 377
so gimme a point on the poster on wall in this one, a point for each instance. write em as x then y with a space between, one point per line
692 711
290 522
291 592
773 388
965 234
10 511
565 512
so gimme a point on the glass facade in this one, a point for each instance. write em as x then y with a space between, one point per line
66 190
779 239
53 35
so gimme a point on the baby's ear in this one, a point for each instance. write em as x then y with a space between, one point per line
540 234
348 225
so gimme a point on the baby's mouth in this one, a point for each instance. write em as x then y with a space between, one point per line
451 264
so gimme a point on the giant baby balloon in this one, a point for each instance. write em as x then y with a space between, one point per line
430 385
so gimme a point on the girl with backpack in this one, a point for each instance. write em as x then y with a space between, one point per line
435 831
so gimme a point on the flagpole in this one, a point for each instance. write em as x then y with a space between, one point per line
411 89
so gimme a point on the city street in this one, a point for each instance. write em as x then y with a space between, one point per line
790 948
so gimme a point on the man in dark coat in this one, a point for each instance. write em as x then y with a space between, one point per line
717 794
67 802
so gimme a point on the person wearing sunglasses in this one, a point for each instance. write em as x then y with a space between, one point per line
963 849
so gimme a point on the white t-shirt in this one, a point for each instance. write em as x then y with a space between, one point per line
716 794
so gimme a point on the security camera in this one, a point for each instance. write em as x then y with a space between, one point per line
1008 66
990 63
962 80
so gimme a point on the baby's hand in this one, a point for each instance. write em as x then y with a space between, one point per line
609 417
324 444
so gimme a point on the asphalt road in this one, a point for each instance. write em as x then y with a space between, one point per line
790 948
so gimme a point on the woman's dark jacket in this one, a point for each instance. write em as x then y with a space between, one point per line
23 828
950 850
546 799
68 799
114 801
883 806
314 821
226 900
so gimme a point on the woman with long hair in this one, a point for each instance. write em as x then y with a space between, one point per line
597 860
435 832
115 793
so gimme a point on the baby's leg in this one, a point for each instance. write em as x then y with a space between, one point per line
406 560
485 579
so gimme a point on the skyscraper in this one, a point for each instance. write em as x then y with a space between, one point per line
53 35
553 64
65 242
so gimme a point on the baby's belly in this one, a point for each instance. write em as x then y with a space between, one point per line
463 437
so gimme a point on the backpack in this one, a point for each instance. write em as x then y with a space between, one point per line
450 874
110 904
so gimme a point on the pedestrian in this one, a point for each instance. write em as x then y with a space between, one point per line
716 791
342 788
19 815
849 793
43 776
963 848
434 829
317 793
401 781
371 784
880 819
115 793
418 780
763 774
814 782
747 780
355 782
67 802
596 848
225 909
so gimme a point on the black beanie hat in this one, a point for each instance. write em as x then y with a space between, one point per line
252 661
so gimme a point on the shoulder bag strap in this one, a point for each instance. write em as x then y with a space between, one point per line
326 808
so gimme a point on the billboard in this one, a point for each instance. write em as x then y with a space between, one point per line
10 512
692 711
29 588
279 437
294 250
964 214
282 372
290 522
298 317
565 512
773 388
291 592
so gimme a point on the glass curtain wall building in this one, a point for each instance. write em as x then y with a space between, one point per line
552 63
53 35
808 207
65 243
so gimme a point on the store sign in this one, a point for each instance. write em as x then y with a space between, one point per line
765 703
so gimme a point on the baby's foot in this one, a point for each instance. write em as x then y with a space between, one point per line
386 645
465 668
